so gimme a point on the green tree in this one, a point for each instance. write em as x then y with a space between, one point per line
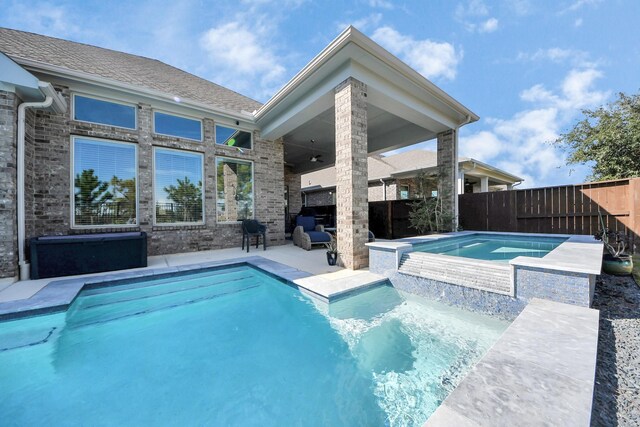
188 199
124 196
609 138
90 194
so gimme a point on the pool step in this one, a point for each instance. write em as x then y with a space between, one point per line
483 275
106 309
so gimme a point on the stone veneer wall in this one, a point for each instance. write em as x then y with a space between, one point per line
50 199
447 180
352 207
8 226
292 180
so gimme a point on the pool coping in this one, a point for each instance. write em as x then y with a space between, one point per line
527 378
563 258
59 294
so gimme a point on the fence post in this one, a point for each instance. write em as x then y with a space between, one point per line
634 211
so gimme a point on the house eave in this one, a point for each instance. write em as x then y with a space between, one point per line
352 36
103 82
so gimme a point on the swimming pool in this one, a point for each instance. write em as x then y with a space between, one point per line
235 346
492 247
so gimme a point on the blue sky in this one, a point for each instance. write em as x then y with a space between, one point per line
526 67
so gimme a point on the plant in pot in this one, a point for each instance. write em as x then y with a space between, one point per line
332 252
618 260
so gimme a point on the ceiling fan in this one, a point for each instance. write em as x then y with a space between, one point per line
315 158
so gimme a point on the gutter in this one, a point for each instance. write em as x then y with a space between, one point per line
56 103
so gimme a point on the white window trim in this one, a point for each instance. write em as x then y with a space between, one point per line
215 135
168 113
102 98
253 186
204 210
73 185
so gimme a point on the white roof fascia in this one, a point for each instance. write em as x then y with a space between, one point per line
506 175
107 83
352 35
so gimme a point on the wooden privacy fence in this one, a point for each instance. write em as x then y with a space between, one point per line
569 209
390 219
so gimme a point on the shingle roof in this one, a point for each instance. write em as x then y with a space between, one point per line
122 67
379 167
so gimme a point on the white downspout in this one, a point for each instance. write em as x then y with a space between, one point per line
384 190
22 263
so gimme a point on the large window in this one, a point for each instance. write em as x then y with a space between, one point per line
234 195
179 192
232 137
104 183
104 112
182 127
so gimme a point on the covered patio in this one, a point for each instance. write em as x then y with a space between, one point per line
356 99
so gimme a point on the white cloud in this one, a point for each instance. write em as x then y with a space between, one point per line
574 57
579 4
383 4
519 7
577 22
521 144
473 15
488 26
483 146
362 24
241 56
429 58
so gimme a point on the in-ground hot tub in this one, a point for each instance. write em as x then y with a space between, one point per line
492 272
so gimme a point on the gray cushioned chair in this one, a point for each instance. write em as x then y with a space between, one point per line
307 233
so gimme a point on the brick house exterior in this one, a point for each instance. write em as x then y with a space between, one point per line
35 68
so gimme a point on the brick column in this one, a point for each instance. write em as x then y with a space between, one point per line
447 173
352 208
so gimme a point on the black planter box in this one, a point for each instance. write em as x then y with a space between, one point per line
54 256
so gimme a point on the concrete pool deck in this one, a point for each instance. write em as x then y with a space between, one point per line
313 262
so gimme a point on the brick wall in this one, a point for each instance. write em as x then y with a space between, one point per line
320 198
8 227
292 180
50 198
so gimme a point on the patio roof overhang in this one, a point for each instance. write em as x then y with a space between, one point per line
404 107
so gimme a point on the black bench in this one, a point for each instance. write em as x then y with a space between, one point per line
54 256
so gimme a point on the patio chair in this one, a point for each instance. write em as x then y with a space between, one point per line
251 227
307 233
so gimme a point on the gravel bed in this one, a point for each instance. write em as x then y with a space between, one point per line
616 400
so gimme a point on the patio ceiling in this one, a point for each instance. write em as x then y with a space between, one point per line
403 108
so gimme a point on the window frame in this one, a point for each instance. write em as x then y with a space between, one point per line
183 116
72 185
215 136
400 190
155 148
253 186
105 99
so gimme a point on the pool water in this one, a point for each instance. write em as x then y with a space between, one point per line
492 247
236 347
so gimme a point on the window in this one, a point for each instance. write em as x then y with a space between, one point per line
404 192
179 193
104 112
104 183
233 137
181 127
234 197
